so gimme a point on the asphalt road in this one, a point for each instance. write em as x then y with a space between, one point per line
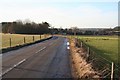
47 59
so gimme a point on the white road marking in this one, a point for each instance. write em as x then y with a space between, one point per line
68 47
50 43
12 67
68 43
18 63
40 49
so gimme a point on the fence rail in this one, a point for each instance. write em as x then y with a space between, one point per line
105 67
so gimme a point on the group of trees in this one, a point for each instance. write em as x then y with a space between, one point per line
18 27
92 31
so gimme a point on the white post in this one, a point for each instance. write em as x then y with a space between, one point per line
112 68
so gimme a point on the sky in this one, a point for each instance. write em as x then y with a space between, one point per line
62 13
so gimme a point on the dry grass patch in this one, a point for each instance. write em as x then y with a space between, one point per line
82 69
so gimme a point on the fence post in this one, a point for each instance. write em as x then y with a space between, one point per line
81 44
112 68
88 50
75 41
33 39
40 37
10 42
24 40
88 53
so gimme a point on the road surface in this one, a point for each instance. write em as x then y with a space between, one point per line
47 59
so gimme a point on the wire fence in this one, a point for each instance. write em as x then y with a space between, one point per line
106 68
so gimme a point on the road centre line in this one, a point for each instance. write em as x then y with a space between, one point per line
9 69
18 63
40 49
51 43
13 67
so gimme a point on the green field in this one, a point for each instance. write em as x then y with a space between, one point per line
18 39
106 46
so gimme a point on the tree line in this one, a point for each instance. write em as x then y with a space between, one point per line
89 31
19 27
25 28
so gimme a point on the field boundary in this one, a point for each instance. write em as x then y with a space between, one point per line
4 50
81 69
99 63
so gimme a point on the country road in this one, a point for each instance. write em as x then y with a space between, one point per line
47 59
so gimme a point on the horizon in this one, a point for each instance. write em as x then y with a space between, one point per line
63 14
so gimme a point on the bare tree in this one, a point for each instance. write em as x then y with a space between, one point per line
74 30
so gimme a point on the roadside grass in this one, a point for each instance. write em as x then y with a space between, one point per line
18 39
106 46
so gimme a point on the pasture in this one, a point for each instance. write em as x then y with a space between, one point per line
18 39
106 46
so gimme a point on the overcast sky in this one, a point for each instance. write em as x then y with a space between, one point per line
62 13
